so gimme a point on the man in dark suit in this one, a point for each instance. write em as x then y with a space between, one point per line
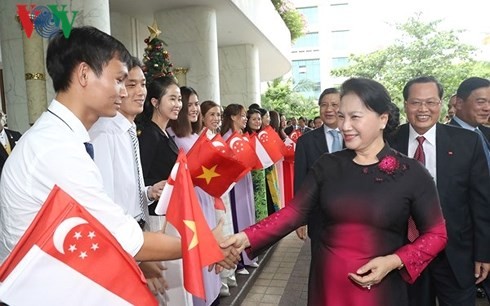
313 144
8 138
302 125
455 158
472 111
292 127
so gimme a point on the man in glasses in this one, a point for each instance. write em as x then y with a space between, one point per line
456 160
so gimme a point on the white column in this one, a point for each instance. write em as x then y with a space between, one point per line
13 67
193 44
35 76
92 13
239 74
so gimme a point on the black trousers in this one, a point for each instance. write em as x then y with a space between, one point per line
438 281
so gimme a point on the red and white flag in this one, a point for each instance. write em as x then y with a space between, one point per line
199 247
289 149
264 160
272 143
295 135
67 257
242 150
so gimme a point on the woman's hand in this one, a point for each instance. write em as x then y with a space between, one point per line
375 270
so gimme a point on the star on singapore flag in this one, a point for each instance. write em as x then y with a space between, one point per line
67 257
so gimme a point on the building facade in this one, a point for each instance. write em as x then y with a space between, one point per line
223 48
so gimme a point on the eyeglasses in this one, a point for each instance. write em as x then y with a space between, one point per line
415 104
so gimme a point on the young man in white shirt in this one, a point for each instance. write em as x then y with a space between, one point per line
88 70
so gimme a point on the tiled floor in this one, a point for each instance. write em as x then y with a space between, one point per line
271 286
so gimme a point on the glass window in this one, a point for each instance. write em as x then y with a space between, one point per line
310 14
309 71
308 41
340 40
339 62
340 16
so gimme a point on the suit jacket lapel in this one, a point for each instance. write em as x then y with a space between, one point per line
400 142
320 140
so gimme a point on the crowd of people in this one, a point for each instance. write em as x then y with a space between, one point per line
396 214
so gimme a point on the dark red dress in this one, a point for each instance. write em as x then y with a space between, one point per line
365 210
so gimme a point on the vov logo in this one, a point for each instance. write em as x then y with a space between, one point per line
47 20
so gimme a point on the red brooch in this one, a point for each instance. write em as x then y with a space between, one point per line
389 164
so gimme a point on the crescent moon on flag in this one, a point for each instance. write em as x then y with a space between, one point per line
260 134
218 144
233 140
63 229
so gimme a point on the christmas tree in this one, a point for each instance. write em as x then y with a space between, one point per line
156 60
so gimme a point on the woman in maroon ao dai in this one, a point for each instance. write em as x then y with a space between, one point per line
366 195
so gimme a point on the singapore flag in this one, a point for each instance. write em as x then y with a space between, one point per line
67 257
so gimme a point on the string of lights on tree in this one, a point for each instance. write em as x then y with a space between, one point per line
156 60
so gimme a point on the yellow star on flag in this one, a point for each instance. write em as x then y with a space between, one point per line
192 226
154 30
208 174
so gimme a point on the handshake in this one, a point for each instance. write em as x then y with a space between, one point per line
231 247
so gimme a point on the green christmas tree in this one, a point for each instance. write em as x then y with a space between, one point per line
156 60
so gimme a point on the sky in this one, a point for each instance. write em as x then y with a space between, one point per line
470 15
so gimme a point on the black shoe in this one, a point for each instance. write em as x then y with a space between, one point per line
480 293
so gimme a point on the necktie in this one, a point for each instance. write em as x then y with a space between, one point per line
419 155
136 156
336 145
7 147
486 146
419 152
90 149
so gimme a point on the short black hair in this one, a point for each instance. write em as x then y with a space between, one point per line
375 97
331 90
470 84
421 80
85 44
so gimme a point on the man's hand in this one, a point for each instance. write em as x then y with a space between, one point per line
481 271
153 272
302 232
155 191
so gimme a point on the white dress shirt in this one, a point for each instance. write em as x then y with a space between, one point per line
114 157
429 146
329 137
53 152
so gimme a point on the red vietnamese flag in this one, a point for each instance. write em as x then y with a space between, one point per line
199 247
212 165
67 257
